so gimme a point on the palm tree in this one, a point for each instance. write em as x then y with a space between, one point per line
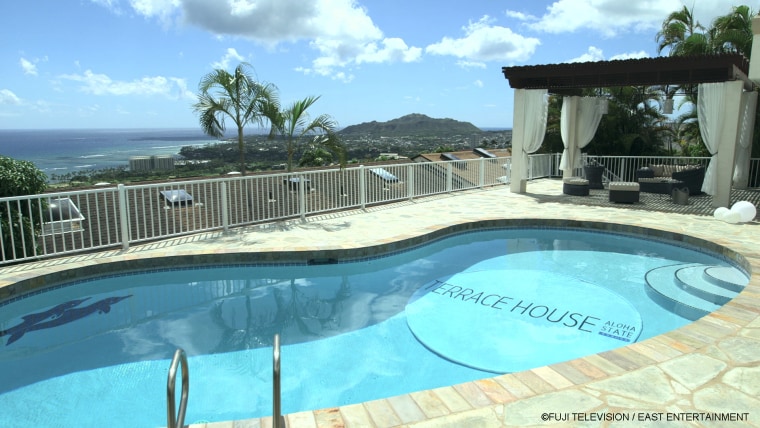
633 126
293 124
690 138
237 96
733 32
683 35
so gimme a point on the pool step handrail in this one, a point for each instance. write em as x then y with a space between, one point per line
277 420
174 419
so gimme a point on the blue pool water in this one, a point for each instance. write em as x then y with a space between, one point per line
98 351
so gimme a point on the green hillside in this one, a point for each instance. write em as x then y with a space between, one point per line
412 124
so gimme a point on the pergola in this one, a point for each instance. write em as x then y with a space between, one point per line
724 79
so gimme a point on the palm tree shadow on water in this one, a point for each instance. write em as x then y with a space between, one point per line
287 309
296 316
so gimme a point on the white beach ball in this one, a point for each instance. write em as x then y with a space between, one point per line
732 217
746 210
720 212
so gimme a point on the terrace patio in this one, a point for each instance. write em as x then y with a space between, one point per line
711 365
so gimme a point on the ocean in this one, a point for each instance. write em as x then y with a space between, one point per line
63 151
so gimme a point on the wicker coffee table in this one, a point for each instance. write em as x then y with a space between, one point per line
663 186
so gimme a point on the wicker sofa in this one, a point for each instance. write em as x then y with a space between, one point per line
691 175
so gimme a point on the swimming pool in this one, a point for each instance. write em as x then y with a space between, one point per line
344 326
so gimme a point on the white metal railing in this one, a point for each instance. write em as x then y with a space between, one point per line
623 168
77 221
123 215
754 173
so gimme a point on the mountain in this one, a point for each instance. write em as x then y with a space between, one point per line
412 124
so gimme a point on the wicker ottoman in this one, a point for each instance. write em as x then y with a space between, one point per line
575 186
623 191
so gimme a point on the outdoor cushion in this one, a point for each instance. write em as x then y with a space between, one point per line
624 186
623 191
657 169
575 180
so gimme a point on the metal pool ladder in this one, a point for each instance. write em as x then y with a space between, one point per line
277 419
177 420
173 419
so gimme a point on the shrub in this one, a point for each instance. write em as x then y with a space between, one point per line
18 223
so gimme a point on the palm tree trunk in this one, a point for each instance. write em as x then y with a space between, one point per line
241 147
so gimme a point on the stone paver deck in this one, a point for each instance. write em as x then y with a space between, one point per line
707 369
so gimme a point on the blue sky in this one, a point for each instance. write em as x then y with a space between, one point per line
137 63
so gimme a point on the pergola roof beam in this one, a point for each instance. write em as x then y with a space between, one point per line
690 70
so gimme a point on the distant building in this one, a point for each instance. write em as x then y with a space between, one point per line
476 153
151 163
467 173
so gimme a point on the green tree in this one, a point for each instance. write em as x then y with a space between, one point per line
237 96
294 124
682 35
315 155
733 32
633 125
553 137
20 220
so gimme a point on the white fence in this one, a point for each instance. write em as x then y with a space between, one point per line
112 217
88 220
623 168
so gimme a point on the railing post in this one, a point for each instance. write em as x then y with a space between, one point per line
302 196
362 188
482 173
123 216
530 167
410 181
449 176
225 207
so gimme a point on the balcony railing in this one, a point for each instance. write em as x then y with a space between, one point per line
112 217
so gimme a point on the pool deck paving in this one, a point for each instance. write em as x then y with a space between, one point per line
693 376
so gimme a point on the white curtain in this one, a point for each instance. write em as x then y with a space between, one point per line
746 128
587 119
564 130
534 125
711 103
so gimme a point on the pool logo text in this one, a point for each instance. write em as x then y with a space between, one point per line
582 322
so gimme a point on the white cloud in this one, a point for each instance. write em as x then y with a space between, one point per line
520 16
7 97
101 84
595 54
608 17
112 5
592 54
42 106
164 10
393 50
478 83
28 67
340 31
630 55
471 64
230 54
484 42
